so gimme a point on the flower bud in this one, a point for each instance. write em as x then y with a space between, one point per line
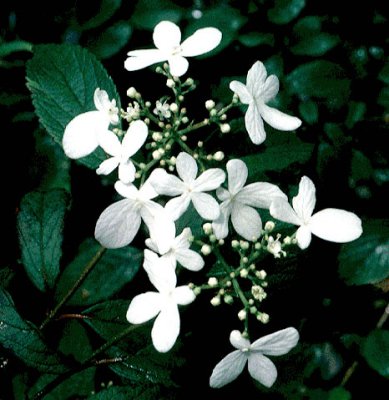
131 92
170 83
244 273
207 228
228 299
269 226
215 301
212 281
242 314
209 104
156 155
206 249
225 128
218 156
173 107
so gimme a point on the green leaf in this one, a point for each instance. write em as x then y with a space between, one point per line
320 79
339 393
279 151
113 270
40 224
366 260
315 45
376 351
126 393
285 11
192 220
383 98
107 9
62 79
24 339
361 167
12 47
305 26
111 41
78 349
254 39
384 74
309 111
356 112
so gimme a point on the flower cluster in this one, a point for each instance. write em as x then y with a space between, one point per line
176 178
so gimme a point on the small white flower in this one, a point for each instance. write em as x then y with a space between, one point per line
189 188
162 110
134 138
329 224
167 38
119 223
163 304
133 111
81 133
238 202
260 367
259 90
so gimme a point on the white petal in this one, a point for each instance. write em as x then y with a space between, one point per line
109 142
210 179
118 224
166 328
80 136
189 259
182 240
304 202
166 184
159 272
262 369
183 295
201 42
237 175
246 221
220 225
127 172
270 88
147 191
303 236
178 65
144 307
278 119
163 232
254 124
140 59
207 207
228 369
107 166
166 36
186 167
127 190
256 78
101 100
283 211
177 206
238 341
260 194
151 245
149 211
222 194
240 89
277 343
336 225
134 138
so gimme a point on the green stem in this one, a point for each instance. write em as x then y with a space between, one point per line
193 127
88 268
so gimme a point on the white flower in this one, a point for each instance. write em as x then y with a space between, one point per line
167 38
163 303
261 368
134 138
189 188
259 90
238 202
329 224
81 133
162 110
163 240
119 223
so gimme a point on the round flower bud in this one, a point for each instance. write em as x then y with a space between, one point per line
244 273
213 112
215 301
263 317
218 156
206 249
197 290
228 299
212 281
257 246
173 107
207 228
170 83
185 120
245 260
261 274
244 245
269 226
253 309
212 238
131 92
200 144
189 82
221 242
242 314
234 244
225 128
209 104
287 240
157 136
156 155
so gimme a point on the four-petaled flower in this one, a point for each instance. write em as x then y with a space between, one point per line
189 188
329 224
163 304
167 38
81 133
259 90
119 223
134 138
238 202
260 367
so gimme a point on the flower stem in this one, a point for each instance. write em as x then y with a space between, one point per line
88 268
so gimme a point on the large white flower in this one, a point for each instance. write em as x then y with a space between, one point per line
329 224
119 223
81 133
133 140
163 303
261 368
163 240
167 39
259 90
238 202
189 188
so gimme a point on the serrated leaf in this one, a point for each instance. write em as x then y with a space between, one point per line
309 111
317 44
113 270
40 224
285 11
126 393
62 79
107 9
12 47
112 40
24 339
376 351
366 260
